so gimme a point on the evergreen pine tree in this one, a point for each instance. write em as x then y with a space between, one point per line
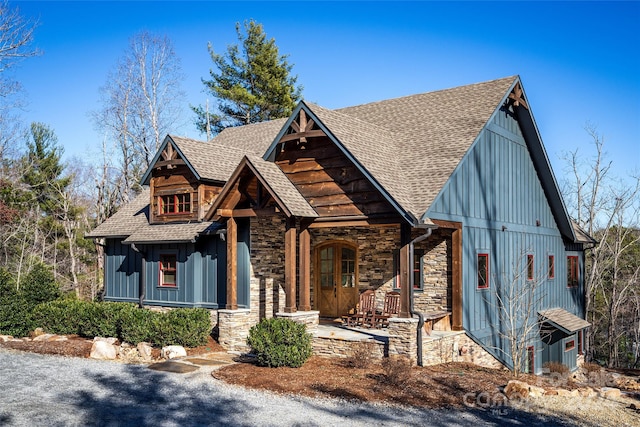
253 83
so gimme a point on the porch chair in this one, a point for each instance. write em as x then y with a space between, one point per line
365 310
391 308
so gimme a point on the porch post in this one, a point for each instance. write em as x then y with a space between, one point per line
232 264
290 266
304 268
456 279
405 296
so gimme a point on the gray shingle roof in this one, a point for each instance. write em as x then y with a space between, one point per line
565 321
410 146
284 190
432 132
169 233
127 219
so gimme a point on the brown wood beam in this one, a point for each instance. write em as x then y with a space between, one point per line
169 163
456 279
304 268
244 213
290 266
447 224
302 136
405 271
232 264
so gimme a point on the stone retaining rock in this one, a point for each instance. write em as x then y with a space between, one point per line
173 351
103 350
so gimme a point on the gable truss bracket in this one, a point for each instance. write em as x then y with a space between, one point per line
516 97
302 129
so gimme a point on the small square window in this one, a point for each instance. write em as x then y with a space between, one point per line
569 345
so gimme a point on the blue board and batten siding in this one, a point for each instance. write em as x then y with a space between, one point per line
495 192
200 273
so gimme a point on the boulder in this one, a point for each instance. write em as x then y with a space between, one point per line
516 390
551 393
563 392
44 337
103 350
110 340
586 392
610 392
5 338
173 351
144 349
536 391
36 332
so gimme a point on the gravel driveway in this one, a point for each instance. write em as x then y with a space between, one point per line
40 390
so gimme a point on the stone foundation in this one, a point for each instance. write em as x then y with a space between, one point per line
233 329
337 347
455 347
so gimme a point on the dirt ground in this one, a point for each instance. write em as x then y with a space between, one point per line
447 385
76 346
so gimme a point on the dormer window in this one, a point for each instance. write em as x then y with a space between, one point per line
174 204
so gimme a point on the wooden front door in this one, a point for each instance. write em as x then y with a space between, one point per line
337 279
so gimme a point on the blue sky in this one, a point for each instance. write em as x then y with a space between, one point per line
579 61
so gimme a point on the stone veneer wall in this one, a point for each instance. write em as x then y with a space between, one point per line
336 347
437 273
376 246
455 347
233 328
403 338
436 349
267 295
309 318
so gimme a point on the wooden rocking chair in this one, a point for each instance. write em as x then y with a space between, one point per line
365 310
391 308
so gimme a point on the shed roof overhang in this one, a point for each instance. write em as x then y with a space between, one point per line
563 320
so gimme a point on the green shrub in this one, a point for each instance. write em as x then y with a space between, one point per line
39 286
188 327
58 317
280 342
103 319
17 304
138 325
15 316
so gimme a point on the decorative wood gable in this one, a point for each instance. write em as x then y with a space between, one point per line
516 97
170 158
258 188
326 176
176 192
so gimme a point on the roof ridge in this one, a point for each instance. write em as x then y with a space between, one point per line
513 77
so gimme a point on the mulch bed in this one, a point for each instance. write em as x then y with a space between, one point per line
434 386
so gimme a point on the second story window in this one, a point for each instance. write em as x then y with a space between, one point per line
174 204
572 271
